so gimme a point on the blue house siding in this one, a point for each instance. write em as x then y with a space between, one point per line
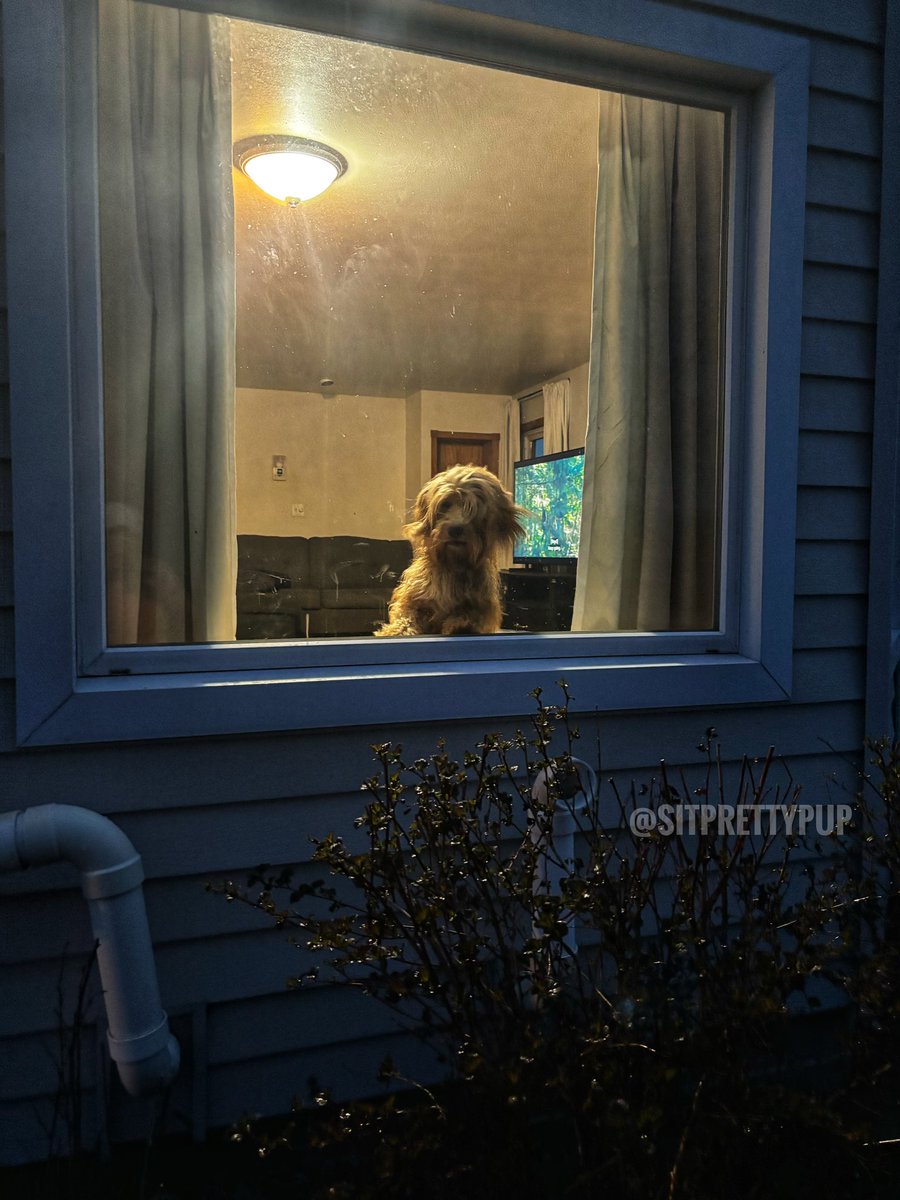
6 572
212 808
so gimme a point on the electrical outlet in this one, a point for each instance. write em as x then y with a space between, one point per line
298 510
279 467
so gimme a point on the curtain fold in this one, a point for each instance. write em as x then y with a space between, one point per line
556 416
510 449
167 274
510 442
649 535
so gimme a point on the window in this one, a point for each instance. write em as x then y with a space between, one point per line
452 261
531 424
533 439
346 350
534 443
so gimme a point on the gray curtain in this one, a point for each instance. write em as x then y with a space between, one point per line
167 274
650 530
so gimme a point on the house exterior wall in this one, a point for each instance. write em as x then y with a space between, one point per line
212 808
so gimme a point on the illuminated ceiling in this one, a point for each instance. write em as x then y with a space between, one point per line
456 252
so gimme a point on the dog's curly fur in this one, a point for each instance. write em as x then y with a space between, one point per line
461 519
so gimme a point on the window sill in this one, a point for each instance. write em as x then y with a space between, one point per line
206 704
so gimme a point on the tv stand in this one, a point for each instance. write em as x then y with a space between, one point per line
539 597
561 568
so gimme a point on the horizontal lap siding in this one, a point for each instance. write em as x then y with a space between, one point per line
210 810
843 180
838 365
825 621
7 632
7 655
226 959
846 68
859 22
153 784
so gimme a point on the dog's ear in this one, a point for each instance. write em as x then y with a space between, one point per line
419 523
506 514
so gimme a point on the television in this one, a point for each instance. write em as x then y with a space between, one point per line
550 488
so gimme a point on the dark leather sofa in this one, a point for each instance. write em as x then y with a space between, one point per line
296 587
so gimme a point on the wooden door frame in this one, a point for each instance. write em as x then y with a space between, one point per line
455 435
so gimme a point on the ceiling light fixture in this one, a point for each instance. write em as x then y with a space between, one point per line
290 169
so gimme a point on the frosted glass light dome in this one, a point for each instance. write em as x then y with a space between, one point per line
290 169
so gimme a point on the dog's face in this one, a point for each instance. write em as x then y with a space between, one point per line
463 515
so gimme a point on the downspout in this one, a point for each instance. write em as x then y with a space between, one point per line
557 858
144 1051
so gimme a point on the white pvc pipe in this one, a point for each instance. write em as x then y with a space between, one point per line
557 860
144 1051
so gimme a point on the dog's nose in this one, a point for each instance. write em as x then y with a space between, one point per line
456 531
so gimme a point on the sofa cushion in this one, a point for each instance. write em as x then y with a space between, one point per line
281 556
376 598
294 601
357 572
330 587
273 574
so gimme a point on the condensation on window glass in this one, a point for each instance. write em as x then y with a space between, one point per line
293 386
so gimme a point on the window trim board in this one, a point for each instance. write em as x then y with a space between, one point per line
36 198
775 220
653 38
203 704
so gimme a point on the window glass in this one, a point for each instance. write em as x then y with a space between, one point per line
283 376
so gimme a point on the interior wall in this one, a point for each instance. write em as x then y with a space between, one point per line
413 447
355 463
467 412
345 460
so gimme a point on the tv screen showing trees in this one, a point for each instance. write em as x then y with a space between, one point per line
550 488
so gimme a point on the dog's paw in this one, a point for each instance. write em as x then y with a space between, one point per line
398 627
459 627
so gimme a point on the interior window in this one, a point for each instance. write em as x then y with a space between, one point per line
285 369
531 424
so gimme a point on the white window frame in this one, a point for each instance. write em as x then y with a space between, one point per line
68 690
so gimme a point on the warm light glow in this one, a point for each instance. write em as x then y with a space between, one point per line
287 168
291 177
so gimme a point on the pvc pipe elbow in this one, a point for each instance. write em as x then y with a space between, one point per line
146 1054
145 1076
51 833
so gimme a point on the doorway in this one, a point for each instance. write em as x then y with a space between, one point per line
449 448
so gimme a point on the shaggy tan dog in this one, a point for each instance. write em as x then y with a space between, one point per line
460 521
